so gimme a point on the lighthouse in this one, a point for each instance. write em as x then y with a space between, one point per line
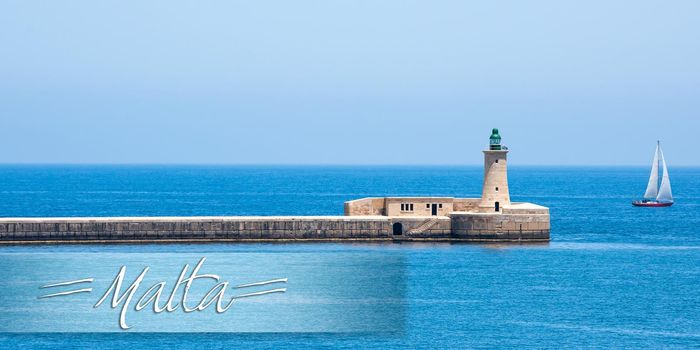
494 193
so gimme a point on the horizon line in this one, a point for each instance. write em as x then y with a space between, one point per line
332 164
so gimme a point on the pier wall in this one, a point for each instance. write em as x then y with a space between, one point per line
192 228
456 227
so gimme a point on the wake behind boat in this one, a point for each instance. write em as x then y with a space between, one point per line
655 195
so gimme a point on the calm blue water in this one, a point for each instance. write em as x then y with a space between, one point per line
613 275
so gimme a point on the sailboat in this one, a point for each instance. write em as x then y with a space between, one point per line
657 196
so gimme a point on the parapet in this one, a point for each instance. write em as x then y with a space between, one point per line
365 206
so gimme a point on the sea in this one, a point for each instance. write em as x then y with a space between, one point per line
613 275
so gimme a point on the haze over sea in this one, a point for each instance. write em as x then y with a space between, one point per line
614 275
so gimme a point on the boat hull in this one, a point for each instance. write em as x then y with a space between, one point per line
651 204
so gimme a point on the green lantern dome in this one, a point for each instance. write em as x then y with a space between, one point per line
495 140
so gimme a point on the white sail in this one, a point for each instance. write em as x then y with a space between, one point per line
665 189
653 186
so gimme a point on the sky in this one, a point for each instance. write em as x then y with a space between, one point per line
348 82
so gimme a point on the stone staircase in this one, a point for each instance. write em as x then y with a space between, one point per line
425 226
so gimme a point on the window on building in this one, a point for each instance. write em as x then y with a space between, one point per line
440 205
496 160
411 205
496 189
427 206
403 207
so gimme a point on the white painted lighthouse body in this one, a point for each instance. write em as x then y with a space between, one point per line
494 195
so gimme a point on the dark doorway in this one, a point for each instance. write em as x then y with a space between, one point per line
498 206
398 228
434 209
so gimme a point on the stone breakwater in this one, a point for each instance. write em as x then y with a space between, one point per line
463 227
491 218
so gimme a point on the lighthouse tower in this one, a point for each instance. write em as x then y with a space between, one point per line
494 193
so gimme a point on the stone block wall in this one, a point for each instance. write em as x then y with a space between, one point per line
502 227
221 228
